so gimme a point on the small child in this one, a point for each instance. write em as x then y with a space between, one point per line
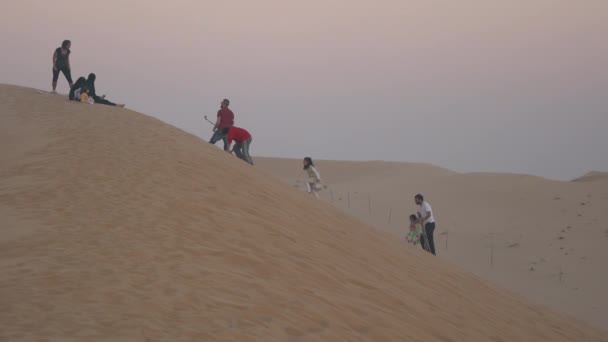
84 94
415 232
313 183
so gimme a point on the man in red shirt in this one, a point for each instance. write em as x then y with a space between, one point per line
225 118
242 140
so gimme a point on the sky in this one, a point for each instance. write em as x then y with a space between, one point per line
518 86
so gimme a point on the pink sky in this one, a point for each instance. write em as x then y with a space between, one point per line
472 85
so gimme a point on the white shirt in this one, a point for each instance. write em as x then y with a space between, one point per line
425 208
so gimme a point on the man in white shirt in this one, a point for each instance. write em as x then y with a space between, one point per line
427 220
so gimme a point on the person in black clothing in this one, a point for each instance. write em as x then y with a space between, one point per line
90 83
80 82
61 63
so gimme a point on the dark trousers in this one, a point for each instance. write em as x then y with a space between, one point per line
66 72
217 136
100 100
242 151
429 228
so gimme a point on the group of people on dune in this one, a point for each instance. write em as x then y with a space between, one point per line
422 224
225 130
84 88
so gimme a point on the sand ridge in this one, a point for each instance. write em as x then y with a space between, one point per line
544 239
116 226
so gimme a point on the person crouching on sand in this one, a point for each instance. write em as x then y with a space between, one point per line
313 183
242 140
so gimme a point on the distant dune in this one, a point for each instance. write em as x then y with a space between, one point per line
544 239
119 227
592 177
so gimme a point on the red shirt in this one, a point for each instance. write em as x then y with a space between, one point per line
237 134
226 118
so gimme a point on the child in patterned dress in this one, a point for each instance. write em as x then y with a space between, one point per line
413 236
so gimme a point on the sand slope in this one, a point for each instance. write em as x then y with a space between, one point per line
118 227
593 176
544 239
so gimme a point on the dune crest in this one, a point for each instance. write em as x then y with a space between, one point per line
116 226
592 176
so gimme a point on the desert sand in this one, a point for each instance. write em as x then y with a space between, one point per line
119 227
546 240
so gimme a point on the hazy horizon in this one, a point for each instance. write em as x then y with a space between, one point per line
484 86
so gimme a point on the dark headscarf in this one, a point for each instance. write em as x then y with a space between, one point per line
91 85
309 162
80 82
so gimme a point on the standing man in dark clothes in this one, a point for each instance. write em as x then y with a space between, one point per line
427 220
61 63
225 118
90 84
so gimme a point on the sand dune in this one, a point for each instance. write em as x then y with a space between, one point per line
544 239
593 176
118 227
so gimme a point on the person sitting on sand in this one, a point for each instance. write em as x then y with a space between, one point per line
84 96
413 236
90 83
74 94
313 183
61 63
242 140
